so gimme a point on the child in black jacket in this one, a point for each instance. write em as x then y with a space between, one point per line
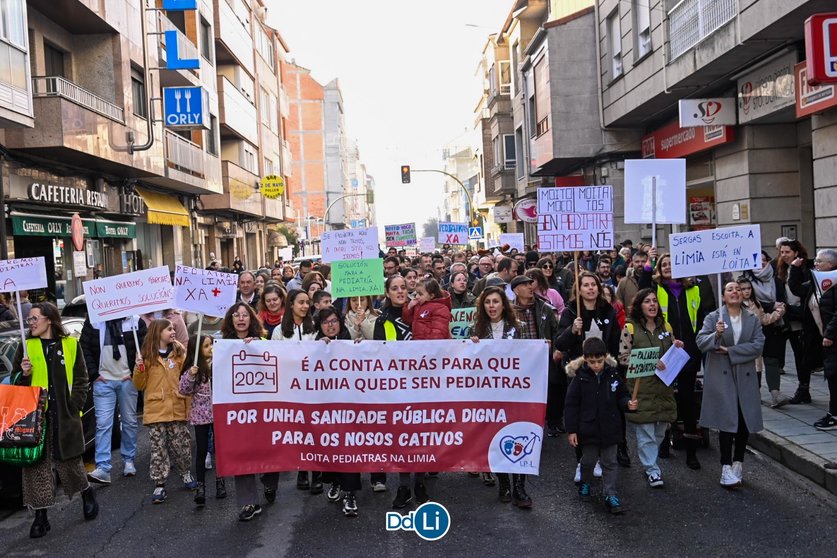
595 399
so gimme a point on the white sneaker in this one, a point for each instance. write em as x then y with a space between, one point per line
207 464
597 470
129 470
98 475
728 478
577 478
738 470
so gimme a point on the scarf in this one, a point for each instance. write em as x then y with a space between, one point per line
675 286
272 320
764 287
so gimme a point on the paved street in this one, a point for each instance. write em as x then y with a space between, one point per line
777 513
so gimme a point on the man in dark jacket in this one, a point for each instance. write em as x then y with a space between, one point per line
827 261
109 353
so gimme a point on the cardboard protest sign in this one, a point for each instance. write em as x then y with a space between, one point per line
349 244
204 291
23 274
427 244
514 240
715 251
575 218
453 233
665 178
643 362
400 235
357 278
378 406
461 321
825 279
139 292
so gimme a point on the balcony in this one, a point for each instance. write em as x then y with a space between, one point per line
235 45
239 193
79 17
60 87
691 21
235 112
186 50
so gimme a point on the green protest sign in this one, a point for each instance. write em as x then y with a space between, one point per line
461 321
357 278
643 362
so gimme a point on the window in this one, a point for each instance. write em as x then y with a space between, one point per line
248 158
518 151
509 151
614 31
268 166
206 40
530 102
495 150
13 24
212 136
515 68
642 25
542 103
505 77
492 81
54 61
138 93
274 115
264 46
264 107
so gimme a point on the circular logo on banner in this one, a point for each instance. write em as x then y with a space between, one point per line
77 232
516 448
526 210
272 186
431 521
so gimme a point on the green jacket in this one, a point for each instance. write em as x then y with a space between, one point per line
655 399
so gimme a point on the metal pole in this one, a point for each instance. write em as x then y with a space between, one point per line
472 211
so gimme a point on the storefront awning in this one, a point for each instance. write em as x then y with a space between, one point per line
164 209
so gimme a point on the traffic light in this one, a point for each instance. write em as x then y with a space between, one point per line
405 174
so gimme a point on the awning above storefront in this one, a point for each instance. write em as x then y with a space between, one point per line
164 209
25 224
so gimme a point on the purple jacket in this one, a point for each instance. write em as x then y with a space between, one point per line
201 410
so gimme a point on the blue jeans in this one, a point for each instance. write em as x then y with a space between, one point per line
648 439
106 395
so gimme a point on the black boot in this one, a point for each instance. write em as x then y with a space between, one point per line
802 395
220 489
691 453
505 487
40 526
622 456
519 496
200 494
665 445
89 504
302 480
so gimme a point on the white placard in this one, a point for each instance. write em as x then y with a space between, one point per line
203 291
453 233
427 244
79 263
669 175
721 250
503 214
23 274
674 359
514 240
139 292
707 112
350 244
575 218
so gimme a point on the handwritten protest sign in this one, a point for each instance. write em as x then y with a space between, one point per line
453 233
715 251
204 291
400 235
123 295
514 240
461 321
378 406
357 278
349 244
427 244
575 218
643 362
663 178
23 274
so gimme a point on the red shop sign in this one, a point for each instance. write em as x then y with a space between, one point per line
671 141
811 98
821 48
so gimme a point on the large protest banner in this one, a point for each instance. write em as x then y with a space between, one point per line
453 233
400 235
575 218
461 321
715 251
357 278
349 244
204 291
119 296
377 406
23 274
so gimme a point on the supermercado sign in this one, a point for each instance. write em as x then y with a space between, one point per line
375 406
671 141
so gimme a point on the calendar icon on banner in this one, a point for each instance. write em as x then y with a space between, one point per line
255 373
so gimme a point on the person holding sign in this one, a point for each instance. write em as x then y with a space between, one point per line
732 339
53 363
684 308
656 407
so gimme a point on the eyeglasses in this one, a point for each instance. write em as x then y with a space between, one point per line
33 319
330 322
240 316
547 266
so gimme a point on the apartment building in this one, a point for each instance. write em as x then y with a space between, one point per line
358 204
336 156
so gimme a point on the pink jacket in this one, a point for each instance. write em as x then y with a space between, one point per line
201 411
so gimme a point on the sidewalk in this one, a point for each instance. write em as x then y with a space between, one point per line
789 436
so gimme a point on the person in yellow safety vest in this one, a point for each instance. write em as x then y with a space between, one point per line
54 363
683 307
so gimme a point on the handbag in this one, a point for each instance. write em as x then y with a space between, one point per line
22 414
23 456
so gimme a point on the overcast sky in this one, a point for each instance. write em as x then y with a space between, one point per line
407 72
